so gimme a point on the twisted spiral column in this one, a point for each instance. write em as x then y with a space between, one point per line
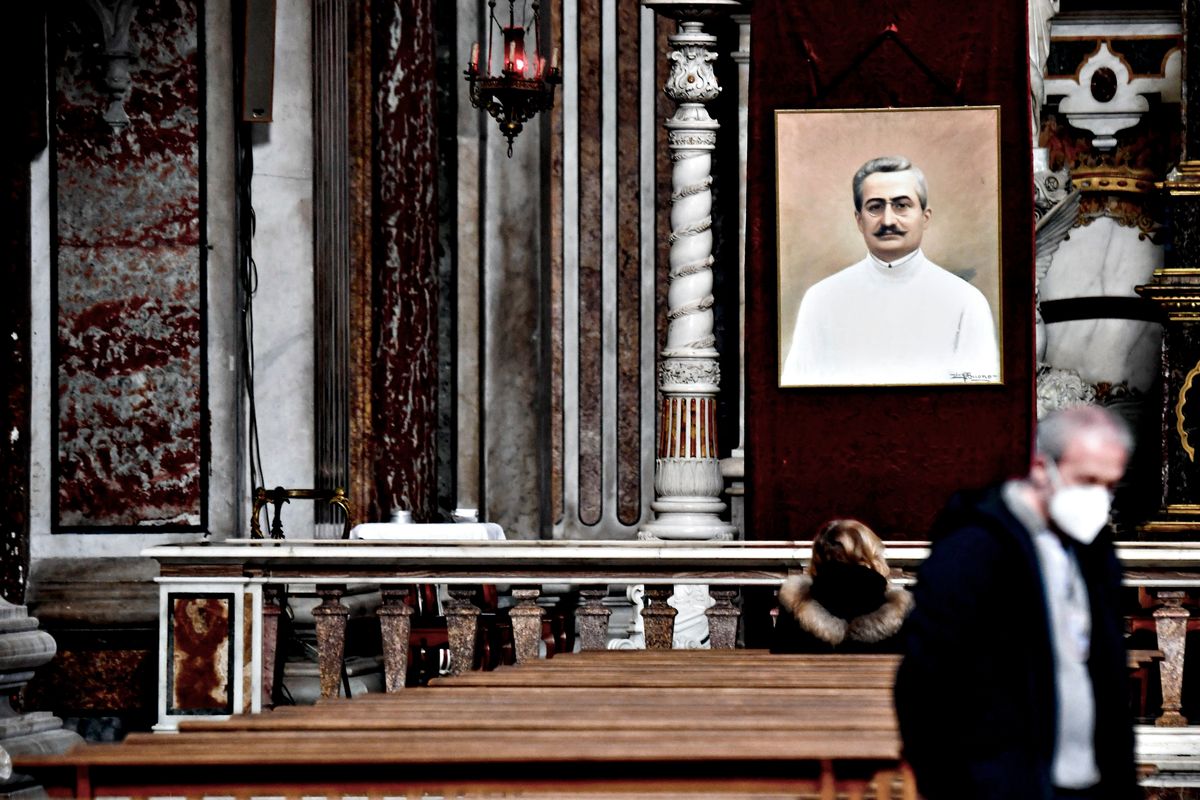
687 476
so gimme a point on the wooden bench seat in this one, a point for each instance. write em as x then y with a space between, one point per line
598 725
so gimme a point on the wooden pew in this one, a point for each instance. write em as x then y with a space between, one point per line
670 724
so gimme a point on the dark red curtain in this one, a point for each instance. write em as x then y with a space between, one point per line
890 456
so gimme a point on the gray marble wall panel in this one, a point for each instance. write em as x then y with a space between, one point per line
131 419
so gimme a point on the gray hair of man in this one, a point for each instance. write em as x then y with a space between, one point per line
1059 428
889 164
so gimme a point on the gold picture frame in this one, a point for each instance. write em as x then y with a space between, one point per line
852 333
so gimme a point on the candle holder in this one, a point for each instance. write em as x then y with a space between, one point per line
524 86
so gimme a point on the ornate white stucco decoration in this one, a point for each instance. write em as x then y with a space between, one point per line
1107 99
1061 388
1041 12
636 640
691 624
1055 209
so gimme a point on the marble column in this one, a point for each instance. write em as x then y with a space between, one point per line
404 354
687 475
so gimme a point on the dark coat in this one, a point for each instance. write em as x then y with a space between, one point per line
975 692
845 609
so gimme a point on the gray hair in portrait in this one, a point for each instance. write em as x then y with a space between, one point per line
889 164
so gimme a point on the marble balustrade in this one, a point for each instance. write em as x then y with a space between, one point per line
219 602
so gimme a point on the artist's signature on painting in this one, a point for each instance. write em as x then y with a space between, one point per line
974 377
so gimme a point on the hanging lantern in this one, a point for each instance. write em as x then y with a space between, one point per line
525 84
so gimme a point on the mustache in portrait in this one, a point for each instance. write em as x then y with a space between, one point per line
884 230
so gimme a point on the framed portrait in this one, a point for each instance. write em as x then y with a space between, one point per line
889 246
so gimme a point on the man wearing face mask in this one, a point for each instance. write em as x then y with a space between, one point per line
1013 684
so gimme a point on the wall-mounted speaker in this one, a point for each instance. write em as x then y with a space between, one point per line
258 61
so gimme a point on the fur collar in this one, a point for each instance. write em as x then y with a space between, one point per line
796 597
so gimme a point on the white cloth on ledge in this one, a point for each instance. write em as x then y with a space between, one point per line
412 532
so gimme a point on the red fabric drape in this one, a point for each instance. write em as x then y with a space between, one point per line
888 455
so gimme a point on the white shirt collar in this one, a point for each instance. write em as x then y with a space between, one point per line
899 262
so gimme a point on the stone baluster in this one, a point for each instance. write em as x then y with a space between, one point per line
24 648
722 618
658 617
395 628
526 619
591 618
330 618
462 622
272 608
1170 621
687 475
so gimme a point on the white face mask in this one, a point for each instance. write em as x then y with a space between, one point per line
1080 512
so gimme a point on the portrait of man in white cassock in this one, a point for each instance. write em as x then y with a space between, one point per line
876 287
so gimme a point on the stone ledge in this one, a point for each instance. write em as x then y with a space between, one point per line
94 592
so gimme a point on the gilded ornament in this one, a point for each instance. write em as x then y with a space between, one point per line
1179 417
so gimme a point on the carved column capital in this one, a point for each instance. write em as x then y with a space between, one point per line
692 78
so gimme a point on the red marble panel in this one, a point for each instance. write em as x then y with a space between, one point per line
200 650
554 16
404 371
628 266
129 279
79 680
591 266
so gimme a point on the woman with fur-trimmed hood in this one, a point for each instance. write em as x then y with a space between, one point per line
843 604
